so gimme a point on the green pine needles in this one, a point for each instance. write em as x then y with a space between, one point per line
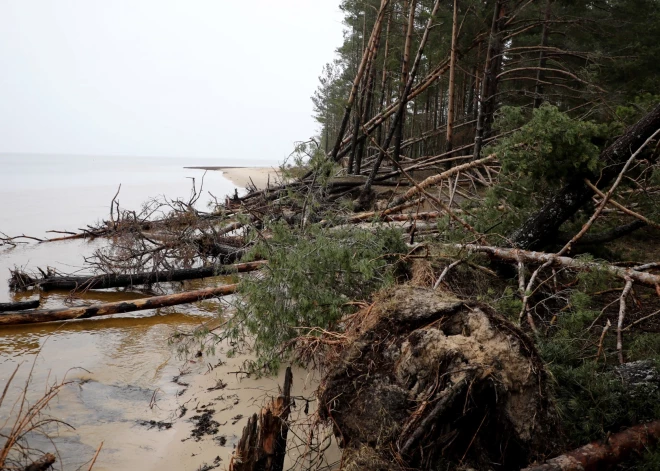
310 279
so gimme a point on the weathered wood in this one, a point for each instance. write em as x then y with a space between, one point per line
42 464
525 256
19 306
56 282
542 227
262 446
604 454
119 307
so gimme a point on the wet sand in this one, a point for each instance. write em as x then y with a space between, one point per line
243 176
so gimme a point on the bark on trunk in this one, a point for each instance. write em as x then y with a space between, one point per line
119 281
452 80
408 31
401 106
358 78
538 91
542 227
85 312
602 455
486 88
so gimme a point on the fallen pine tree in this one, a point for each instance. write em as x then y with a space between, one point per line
119 307
22 281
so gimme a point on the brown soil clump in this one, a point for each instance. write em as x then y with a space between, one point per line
430 379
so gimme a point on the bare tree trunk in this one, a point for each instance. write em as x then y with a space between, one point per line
402 105
358 78
538 92
484 97
404 76
452 80
55 282
85 312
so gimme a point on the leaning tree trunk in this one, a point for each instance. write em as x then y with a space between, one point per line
358 78
403 101
542 227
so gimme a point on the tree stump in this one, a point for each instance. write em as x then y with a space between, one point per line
262 446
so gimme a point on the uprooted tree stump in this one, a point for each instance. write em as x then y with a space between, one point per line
432 379
262 446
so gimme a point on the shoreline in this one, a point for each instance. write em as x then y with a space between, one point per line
244 176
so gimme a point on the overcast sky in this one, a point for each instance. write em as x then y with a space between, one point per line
176 78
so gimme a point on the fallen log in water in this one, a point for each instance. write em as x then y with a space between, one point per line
84 312
263 444
21 281
19 306
604 454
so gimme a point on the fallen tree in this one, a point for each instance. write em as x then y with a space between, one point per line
542 227
603 454
19 306
436 378
22 281
525 256
119 307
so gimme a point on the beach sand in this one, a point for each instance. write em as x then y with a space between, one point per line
241 176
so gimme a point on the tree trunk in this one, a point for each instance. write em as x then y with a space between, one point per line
54 282
19 306
484 97
404 77
358 78
119 307
541 228
605 454
452 80
401 107
538 91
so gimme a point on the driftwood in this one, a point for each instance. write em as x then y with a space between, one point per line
603 454
263 444
42 464
85 312
19 306
22 281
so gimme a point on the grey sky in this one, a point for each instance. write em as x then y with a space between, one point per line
199 78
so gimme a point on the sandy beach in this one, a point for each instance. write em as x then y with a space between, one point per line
241 176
